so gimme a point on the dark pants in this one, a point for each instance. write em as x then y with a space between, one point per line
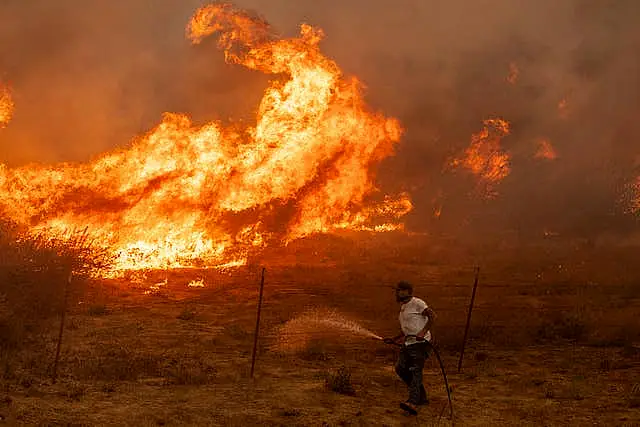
409 369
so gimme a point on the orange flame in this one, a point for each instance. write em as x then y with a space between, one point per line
631 197
545 150
563 108
199 283
485 158
186 195
514 72
6 106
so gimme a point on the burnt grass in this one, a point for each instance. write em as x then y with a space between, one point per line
554 340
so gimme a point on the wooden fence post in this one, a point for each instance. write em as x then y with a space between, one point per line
466 329
257 331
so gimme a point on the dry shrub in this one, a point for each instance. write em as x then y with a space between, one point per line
316 350
116 362
630 350
480 330
293 412
187 314
75 391
97 310
633 397
577 388
340 381
236 331
566 325
188 371
35 280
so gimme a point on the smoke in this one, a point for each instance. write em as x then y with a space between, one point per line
87 76
443 67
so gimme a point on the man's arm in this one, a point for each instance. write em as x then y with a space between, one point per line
431 316
398 337
394 340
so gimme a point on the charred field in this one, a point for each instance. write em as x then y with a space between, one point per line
553 341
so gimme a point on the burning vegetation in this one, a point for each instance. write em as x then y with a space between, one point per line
545 150
485 157
514 72
6 106
205 195
631 197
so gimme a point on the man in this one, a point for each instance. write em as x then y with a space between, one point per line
416 319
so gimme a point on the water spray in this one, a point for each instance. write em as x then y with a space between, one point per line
296 334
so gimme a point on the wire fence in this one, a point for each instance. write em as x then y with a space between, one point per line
216 319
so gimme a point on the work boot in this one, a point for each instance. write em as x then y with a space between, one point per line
424 399
409 407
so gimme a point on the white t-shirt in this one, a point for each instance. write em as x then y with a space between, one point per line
412 321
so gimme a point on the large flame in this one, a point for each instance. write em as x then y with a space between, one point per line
6 106
485 157
187 195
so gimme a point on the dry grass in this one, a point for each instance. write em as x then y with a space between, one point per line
97 310
114 362
187 314
633 396
571 326
316 350
189 372
538 354
39 276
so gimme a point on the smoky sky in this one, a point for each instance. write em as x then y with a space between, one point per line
88 76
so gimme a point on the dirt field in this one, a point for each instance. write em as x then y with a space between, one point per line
554 341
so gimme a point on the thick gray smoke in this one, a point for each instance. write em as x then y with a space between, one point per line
88 76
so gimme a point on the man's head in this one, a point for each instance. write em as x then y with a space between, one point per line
404 292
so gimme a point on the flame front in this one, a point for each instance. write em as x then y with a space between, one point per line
485 158
186 195
6 106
